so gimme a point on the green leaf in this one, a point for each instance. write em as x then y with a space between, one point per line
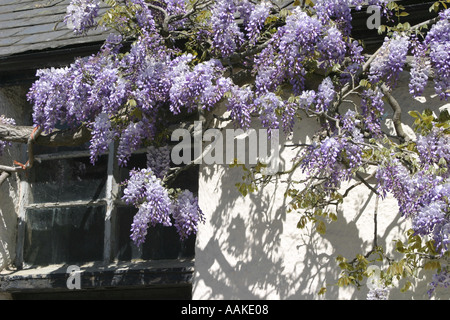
392 5
406 287
228 95
364 83
435 7
431 246
400 247
343 281
284 13
321 227
432 265
344 266
302 222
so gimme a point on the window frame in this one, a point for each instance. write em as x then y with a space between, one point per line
111 201
111 191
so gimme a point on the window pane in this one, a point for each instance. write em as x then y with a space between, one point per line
161 242
64 235
69 180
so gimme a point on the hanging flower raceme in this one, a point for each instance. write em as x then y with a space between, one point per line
438 40
440 279
103 134
268 105
372 107
421 197
420 69
226 34
132 138
187 214
146 192
255 21
390 61
283 59
81 15
241 105
325 95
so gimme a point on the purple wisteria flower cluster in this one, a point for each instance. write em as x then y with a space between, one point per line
227 35
146 192
289 49
335 157
132 138
325 95
440 279
267 105
340 11
390 61
378 294
175 7
372 109
420 69
81 15
438 40
255 21
240 105
434 149
201 86
337 10
102 136
422 197
187 214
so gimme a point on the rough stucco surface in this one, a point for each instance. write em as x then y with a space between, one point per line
13 104
250 248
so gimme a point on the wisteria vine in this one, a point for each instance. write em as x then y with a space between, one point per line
185 58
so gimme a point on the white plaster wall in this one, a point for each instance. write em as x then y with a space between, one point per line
13 104
250 248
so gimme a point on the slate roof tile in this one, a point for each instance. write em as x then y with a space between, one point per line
30 25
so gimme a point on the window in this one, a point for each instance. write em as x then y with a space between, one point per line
71 212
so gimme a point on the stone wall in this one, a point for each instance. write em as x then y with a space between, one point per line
13 104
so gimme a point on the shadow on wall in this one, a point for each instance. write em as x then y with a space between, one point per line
240 260
250 247
255 251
